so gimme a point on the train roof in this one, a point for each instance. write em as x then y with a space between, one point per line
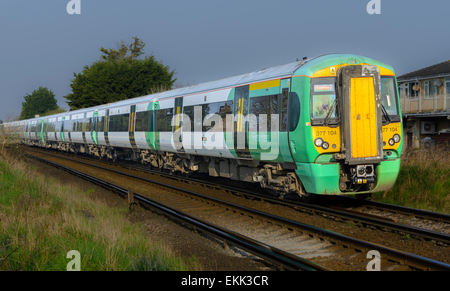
240 80
304 67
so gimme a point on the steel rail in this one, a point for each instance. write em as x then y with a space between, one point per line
370 220
441 217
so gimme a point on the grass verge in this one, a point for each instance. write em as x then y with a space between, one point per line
41 220
423 181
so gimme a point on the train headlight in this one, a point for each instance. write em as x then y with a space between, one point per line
396 138
391 142
318 142
325 145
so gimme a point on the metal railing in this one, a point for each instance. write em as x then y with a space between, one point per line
425 103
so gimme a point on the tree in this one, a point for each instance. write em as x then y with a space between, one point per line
119 74
39 102
124 52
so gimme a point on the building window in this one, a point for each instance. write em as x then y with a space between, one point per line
414 90
409 90
426 88
431 89
434 89
406 88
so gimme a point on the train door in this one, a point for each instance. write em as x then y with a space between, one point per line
178 122
44 131
362 111
54 122
66 122
143 121
83 128
164 113
283 112
62 128
88 128
241 97
100 128
132 129
94 127
39 134
33 130
106 128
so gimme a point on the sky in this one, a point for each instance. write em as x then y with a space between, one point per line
41 44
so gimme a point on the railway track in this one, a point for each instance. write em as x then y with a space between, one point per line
284 260
434 221
409 222
276 233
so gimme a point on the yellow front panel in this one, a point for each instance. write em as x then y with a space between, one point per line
388 133
363 118
330 135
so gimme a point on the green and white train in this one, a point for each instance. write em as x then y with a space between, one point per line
326 125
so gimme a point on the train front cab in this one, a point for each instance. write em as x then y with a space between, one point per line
352 130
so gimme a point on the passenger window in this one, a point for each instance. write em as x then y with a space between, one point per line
164 120
266 106
142 121
294 111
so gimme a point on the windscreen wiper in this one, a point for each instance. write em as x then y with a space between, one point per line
385 114
330 111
